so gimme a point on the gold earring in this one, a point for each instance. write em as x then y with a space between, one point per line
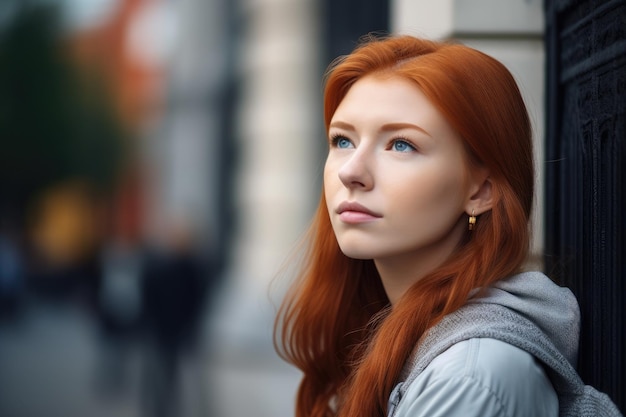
472 221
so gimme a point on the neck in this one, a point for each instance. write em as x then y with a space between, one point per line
399 273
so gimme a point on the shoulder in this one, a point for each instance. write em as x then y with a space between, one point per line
480 377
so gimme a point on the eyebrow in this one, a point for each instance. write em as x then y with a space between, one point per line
389 127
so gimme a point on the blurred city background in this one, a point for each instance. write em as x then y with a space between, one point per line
159 160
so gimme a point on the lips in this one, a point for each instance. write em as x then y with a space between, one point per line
352 212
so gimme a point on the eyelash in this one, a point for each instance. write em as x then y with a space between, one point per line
335 138
402 140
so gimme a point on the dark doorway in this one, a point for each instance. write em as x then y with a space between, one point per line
585 174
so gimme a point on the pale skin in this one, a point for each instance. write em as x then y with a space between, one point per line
398 183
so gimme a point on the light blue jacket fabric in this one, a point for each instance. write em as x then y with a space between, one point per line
510 351
481 377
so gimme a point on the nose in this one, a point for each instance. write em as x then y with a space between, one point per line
356 172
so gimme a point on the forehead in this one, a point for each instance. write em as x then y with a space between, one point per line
382 98
392 88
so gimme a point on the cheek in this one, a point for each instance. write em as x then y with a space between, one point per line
331 173
431 193
330 180
327 184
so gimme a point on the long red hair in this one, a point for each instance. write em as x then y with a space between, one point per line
336 324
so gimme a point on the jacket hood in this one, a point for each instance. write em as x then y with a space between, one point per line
530 312
536 297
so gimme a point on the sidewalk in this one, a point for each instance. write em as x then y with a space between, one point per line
53 361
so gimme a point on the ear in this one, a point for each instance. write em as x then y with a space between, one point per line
481 198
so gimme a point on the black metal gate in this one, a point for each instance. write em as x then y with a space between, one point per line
585 174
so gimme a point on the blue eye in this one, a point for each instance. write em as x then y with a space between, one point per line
341 142
402 146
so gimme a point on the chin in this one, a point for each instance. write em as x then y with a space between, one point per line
356 253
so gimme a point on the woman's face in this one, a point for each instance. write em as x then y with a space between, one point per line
396 181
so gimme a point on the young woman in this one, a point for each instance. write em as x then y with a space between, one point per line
411 299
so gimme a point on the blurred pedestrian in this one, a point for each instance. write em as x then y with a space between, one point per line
11 273
174 283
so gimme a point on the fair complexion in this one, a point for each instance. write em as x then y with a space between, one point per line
397 181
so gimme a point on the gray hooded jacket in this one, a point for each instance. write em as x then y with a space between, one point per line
526 311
